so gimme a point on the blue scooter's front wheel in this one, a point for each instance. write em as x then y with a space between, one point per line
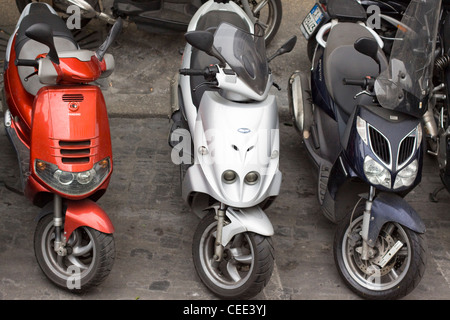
379 277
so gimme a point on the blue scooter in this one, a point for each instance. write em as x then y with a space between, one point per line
359 115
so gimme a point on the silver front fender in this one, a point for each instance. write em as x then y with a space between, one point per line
251 219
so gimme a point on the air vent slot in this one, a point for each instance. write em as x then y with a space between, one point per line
75 160
73 152
65 143
406 149
380 145
75 97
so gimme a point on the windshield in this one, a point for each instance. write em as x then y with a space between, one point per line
405 85
245 53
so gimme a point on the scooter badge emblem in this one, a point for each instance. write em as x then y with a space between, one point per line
244 130
73 106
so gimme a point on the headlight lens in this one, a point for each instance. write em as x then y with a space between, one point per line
252 177
72 183
376 173
229 176
407 175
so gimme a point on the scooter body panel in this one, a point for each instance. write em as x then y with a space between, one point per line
390 207
239 137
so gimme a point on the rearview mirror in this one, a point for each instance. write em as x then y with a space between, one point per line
42 33
113 33
368 47
204 41
285 48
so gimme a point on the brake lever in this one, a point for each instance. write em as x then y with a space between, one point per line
30 75
214 83
363 92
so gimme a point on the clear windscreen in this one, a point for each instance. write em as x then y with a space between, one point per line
245 53
405 85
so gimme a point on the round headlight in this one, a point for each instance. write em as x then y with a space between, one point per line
85 177
251 177
376 173
407 175
229 176
63 177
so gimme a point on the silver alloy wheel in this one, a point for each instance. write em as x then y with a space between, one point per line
367 273
237 264
81 255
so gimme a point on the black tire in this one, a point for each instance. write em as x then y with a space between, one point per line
407 265
270 15
98 257
253 277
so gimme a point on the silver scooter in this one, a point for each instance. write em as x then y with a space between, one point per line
225 136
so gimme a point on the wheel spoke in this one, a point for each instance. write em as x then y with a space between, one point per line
233 272
259 7
239 256
80 251
75 261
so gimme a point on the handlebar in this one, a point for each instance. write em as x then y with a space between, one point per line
27 63
366 82
208 72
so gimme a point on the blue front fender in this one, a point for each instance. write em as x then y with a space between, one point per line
390 207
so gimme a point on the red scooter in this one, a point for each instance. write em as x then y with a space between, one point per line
59 127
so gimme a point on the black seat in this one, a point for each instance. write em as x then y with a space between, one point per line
346 10
27 48
341 60
39 12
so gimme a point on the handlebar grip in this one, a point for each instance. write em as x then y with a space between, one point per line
27 63
359 82
354 82
192 72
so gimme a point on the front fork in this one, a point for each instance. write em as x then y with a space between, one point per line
220 216
60 241
367 251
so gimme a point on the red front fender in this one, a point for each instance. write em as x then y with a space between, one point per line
86 213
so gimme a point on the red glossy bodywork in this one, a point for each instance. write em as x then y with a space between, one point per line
86 213
52 126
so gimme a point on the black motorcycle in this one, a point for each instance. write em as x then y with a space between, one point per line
359 115
165 15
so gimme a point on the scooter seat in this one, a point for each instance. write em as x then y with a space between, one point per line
27 48
341 60
38 13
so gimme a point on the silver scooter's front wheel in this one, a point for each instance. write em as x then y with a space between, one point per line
246 265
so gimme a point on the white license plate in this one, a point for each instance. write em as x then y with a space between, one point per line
312 21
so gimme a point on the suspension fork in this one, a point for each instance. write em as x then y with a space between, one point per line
220 216
367 216
60 242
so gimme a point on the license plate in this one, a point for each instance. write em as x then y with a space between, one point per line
312 21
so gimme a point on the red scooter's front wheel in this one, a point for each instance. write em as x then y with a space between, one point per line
87 262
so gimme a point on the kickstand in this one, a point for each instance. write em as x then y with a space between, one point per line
433 195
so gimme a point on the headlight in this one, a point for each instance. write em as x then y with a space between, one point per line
251 177
229 176
72 183
376 173
407 175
